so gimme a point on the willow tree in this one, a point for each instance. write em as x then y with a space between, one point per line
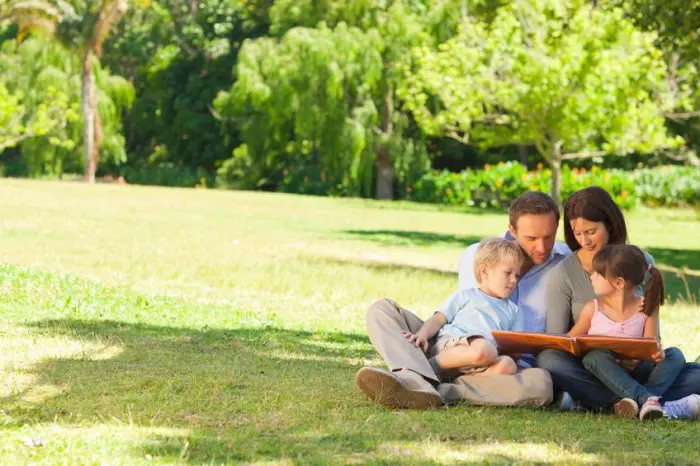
386 134
82 26
308 92
569 79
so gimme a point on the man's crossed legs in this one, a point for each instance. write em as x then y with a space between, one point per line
411 381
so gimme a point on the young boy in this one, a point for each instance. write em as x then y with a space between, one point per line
464 323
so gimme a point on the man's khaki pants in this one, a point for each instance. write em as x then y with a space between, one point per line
386 321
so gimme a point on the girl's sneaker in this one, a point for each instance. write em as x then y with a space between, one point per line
651 410
685 408
626 407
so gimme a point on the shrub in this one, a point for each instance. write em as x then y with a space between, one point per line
498 185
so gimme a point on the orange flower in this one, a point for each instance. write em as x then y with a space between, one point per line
487 166
575 171
448 191
540 166
623 194
583 170
523 176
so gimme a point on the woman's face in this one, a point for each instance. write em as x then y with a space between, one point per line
591 236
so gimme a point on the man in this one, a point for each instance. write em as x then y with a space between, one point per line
533 222
411 382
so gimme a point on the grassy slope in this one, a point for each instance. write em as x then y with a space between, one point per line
163 325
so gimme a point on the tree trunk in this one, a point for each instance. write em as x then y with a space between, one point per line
556 175
89 107
384 188
522 153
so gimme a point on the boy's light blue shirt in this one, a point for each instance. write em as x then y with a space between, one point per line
473 312
531 293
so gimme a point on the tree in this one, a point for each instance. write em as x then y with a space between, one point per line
676 24
571 80
46 73
83 26
179 55
389 138
309 93
17 123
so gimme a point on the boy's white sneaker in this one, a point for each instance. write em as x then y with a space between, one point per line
685 408
402 389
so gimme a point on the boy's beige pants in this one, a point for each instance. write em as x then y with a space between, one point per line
385 322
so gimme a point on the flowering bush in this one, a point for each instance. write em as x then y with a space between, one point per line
498 185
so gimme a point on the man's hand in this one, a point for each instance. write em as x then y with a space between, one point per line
660 355
418 340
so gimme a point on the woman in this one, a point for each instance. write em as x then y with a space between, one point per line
592 220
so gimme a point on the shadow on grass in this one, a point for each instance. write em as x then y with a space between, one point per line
680 286
275 395
413 238
386 266
683 287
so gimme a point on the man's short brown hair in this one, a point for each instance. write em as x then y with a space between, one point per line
532 203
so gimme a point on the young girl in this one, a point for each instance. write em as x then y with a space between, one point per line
618 270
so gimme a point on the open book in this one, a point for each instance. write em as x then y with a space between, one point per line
533 343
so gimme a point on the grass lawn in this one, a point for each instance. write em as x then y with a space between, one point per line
149 325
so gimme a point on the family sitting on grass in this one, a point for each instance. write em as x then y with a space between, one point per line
526 281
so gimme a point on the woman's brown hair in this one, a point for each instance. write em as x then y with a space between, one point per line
628 262
595 205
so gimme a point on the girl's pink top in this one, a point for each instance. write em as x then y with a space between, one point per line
602 325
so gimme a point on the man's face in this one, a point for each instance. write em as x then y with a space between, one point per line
536 235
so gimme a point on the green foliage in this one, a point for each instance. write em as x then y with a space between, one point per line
570 79
46 119
180 55
167 174
308 95
498 185
48 76
668 186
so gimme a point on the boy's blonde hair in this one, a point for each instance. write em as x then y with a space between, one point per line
491 251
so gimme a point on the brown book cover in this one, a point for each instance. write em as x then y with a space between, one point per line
533 343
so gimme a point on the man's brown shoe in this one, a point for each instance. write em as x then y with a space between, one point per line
403 389
626 407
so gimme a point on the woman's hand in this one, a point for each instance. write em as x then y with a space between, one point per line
418 340
660 355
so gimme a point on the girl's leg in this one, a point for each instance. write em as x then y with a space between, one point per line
603 364
664 373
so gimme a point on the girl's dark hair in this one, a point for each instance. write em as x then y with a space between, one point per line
595 205
628 262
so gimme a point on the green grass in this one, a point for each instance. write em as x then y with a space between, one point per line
147 325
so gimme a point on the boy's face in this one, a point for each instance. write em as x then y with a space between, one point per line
500 281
